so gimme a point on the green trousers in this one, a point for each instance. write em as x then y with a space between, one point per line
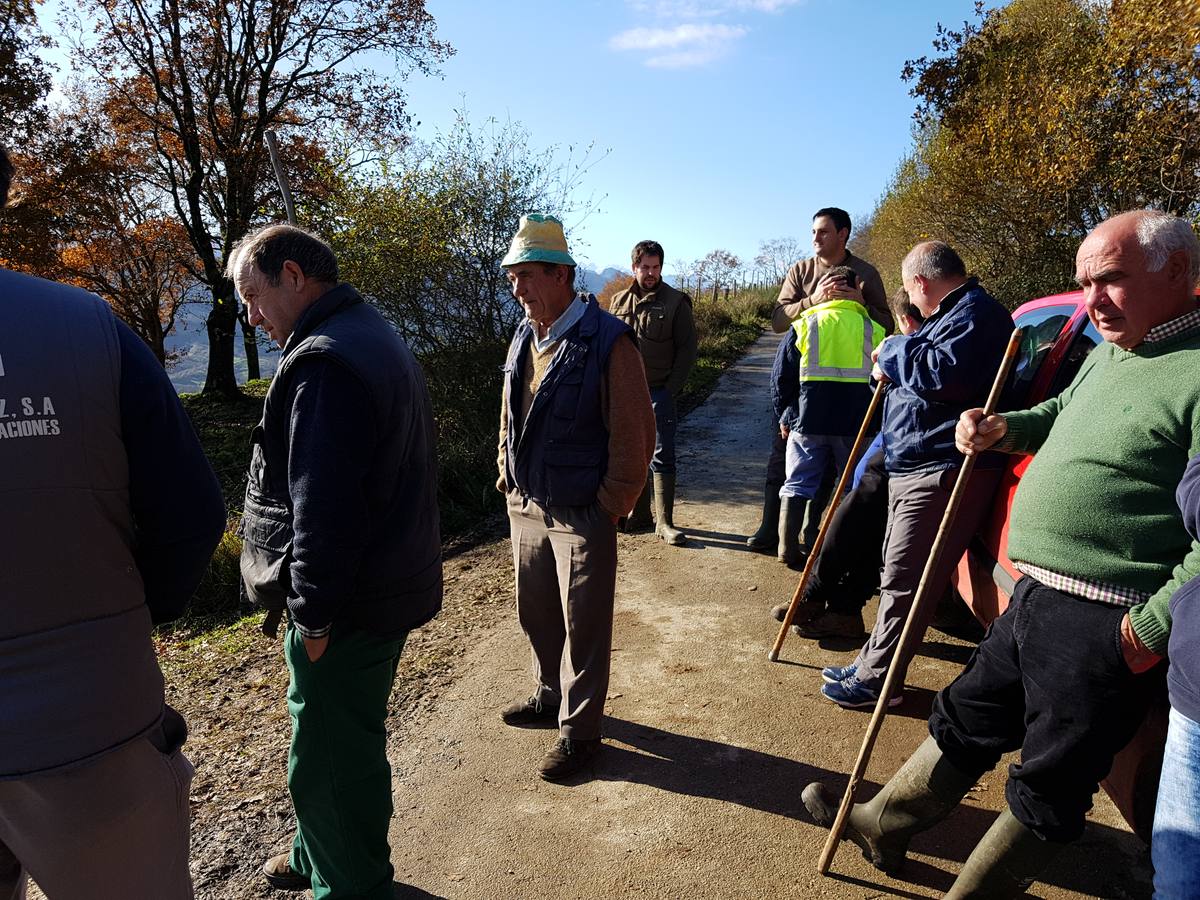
338 773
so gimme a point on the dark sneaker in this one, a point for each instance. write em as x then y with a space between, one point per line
567 757
834 674
806 611
850 693
831 624
530 712
279 874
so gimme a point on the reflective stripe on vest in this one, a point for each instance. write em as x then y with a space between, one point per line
835 340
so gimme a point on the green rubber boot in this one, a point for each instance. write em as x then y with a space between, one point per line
791 520
766 538
925 790
664 506
1006 861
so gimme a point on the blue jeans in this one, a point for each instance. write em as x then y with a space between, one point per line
808 455
1176 843
664 430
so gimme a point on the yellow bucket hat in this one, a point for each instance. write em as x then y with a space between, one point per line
539 238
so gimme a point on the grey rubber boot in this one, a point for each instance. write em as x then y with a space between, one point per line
816 511
766 538
791 519
640 519
1006 861
664 506
925 790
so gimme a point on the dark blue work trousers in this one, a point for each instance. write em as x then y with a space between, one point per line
1048 679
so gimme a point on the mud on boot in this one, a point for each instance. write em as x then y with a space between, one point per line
664 509
1006 861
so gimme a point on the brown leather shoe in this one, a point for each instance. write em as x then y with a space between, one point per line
832 624
567 757
531 712
279 873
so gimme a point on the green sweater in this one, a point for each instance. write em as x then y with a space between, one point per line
1098 500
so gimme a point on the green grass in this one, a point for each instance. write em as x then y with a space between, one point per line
725 328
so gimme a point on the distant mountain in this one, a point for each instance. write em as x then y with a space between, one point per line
190 341
591 281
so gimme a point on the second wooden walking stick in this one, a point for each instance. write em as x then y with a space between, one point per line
834 502
923 597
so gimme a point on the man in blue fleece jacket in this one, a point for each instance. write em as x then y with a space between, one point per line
341 526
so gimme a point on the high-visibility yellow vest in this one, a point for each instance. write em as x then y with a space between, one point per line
835 340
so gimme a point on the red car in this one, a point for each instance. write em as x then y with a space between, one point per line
1057 338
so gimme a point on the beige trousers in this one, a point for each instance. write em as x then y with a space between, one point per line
565 559
114 829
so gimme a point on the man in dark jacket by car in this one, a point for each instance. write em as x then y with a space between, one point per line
111 513
946 366
341 525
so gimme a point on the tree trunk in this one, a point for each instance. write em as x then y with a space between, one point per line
250 342
222 324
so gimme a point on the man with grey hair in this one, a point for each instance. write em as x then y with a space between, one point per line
945 366
1096 532
340 527
576 435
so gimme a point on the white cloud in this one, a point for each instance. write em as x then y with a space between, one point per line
685 45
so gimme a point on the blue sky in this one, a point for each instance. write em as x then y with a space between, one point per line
726 122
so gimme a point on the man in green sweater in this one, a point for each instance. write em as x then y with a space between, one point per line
1102 546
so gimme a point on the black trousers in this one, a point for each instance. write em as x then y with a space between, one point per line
846 573
1048 678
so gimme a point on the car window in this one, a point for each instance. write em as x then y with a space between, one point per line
1084 343
1039 329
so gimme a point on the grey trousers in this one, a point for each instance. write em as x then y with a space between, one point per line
916 504
116 829
565 559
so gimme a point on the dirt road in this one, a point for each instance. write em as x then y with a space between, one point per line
707 743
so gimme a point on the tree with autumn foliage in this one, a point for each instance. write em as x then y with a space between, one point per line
84 215
1035 123
193 88
612 287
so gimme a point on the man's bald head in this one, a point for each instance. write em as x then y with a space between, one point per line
1138 270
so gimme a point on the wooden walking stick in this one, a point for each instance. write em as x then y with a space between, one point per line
830 509
908 635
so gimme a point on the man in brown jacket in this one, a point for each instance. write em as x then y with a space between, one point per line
576 435
807 284
661 318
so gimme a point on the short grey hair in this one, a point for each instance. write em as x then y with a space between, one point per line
1160 234
270 247
934 260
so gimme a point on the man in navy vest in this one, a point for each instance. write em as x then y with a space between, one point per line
111 513
341 526
576 435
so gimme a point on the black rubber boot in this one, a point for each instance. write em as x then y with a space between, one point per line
641 519
664 506
925 790
766 538
1006 861
791 519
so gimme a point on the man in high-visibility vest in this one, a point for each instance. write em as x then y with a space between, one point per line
821 393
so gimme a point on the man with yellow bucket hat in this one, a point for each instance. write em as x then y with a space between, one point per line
576 435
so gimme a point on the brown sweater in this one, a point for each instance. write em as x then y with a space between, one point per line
796 294
625 408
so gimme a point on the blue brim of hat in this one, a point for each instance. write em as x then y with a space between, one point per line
532 254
